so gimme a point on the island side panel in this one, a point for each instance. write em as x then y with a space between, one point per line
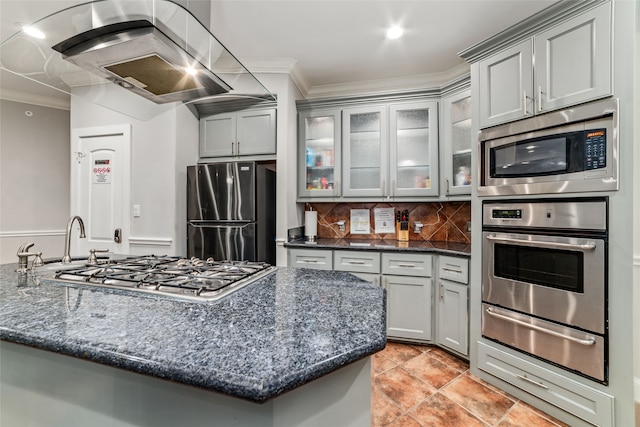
43 388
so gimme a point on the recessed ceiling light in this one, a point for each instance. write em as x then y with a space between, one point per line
191 71
394 32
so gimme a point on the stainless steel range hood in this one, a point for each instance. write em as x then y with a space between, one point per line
137 57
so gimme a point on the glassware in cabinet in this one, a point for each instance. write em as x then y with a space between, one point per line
319 154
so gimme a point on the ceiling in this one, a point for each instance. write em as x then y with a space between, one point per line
332 46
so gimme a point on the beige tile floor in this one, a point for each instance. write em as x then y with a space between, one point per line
420 386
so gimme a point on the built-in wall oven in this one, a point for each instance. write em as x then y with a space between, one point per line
544 287
571 150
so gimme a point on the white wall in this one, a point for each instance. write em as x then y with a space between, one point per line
288 213
161 149
34 178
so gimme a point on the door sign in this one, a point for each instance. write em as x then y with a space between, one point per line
101 171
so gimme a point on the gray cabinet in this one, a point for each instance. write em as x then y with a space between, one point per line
407 279
243 133
318 259
390 150
574 397
457 141
452 304
365 146
572 65
319 153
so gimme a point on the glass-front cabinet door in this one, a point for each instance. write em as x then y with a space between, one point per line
413 149
365 145
319 154
457 142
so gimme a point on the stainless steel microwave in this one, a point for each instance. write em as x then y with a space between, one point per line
566 151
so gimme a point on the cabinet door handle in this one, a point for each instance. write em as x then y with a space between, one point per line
452 270
524 102
529 380
232 146
539 98
238 147
447 184
384 187
441 292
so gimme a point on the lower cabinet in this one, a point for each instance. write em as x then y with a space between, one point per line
578 399
453 330
407 279
408 307
318 259
453 304
411 288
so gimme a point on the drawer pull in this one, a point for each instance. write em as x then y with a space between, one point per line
356 262
452 270
309 260
407 265
529 380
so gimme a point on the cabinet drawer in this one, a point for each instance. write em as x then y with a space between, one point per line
453 268
578 399
370 277
357 261
406 264
310 258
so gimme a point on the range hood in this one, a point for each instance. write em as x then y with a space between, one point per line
137 57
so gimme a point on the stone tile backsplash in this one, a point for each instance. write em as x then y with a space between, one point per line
442 221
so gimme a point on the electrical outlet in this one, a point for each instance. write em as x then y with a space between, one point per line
468 226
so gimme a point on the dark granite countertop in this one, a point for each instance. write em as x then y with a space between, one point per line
444 248
269 337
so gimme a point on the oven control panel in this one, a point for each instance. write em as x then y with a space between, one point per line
586 214
595 149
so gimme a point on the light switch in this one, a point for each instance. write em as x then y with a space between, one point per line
136 211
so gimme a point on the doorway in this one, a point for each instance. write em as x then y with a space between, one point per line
101 187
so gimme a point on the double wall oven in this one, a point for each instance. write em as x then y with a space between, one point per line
545 231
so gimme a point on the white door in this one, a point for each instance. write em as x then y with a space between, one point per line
100 188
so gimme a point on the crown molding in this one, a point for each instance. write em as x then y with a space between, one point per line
31 99
392 85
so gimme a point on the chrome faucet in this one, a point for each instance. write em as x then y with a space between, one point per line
66 259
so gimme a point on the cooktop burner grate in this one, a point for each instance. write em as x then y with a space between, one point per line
194 278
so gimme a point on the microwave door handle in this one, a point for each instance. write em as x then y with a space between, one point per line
589 341
539 244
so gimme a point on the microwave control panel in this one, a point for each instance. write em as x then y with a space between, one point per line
595 149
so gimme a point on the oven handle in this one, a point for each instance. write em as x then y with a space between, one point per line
590 341
539 244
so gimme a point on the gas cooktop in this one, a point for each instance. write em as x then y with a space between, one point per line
194 279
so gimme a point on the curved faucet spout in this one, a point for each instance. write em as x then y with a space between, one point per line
66 259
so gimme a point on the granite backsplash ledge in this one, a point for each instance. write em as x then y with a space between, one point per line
442 221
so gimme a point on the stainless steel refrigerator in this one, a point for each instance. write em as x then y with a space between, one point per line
231 212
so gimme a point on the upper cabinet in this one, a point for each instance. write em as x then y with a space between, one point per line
319 153
457 141
390 150
564 65
365 145
240 133
413 149
376 151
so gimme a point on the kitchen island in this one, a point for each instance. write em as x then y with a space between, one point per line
291 348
